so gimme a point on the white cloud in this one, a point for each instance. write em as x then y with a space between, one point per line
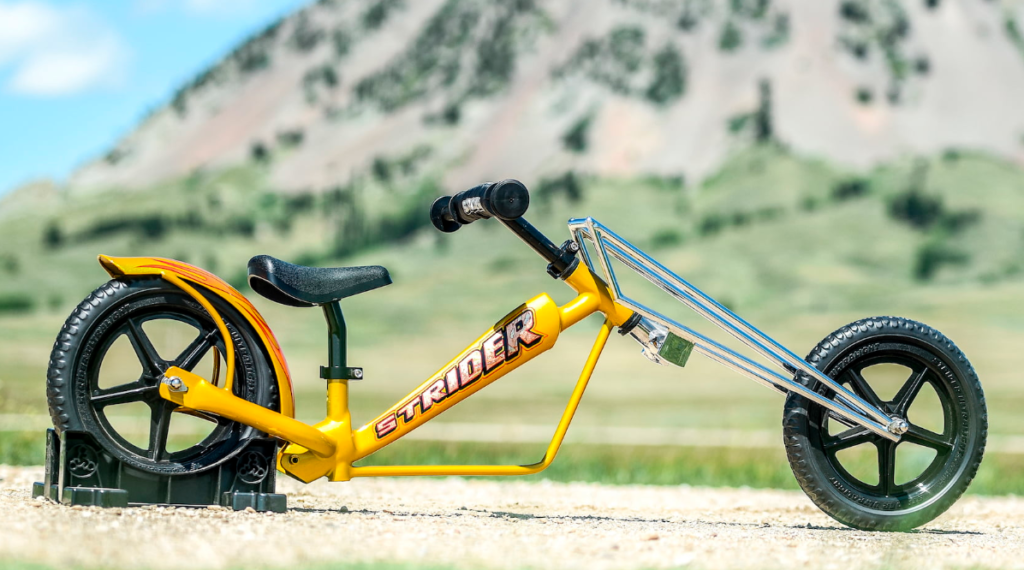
52 51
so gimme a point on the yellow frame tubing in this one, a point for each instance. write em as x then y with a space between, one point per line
330 447
549 455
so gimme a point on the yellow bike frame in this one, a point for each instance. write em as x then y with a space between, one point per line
330 447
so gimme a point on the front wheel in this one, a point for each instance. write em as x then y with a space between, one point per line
908 370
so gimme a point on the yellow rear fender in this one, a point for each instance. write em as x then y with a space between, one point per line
185 276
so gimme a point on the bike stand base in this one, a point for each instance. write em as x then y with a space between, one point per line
80 472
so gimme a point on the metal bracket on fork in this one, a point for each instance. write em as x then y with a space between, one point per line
846 404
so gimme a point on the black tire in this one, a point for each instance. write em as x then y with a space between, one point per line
119 308
885 505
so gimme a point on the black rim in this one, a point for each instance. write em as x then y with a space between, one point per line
145 389
924 370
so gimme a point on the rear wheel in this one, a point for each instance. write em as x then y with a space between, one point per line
910 371
107 362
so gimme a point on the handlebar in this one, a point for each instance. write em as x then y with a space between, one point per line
506 200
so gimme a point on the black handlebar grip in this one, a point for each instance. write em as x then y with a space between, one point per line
505 200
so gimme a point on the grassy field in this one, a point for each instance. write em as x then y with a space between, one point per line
796 246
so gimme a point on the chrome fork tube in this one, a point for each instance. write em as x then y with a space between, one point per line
849 405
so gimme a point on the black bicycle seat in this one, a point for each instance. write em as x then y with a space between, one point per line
299 286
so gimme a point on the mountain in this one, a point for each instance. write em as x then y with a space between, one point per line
477 90
762 145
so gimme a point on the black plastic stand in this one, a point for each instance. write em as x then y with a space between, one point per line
80 472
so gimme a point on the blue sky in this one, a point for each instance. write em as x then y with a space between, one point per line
76 75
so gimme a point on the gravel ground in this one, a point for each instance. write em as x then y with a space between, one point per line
477 524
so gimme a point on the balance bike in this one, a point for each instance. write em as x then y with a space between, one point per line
830 406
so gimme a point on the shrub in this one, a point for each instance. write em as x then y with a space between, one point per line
737 123
180 102
435 59
857 48
575 139
669 82
153 227
253 55
780 32
451 114
252 59
375 16
325 74
299 203
342 41
711 224
932 256
864 95
16 303
917 209
751 9
764 130
626 46
292 138
53 235
955 222
665 238
381 169
242 226
259 152
495 60
567 184
850 188
1013 32
854 11
305 36
922 65
688 21
612 61
731 37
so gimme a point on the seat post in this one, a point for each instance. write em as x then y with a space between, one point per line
337 340
337 373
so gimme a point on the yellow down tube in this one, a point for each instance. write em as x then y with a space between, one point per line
549 456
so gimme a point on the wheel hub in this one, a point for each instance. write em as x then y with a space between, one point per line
898 426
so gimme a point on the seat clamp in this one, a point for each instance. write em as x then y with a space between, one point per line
340 373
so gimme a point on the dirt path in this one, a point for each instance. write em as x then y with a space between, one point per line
475 524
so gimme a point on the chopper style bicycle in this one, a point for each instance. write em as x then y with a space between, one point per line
830 406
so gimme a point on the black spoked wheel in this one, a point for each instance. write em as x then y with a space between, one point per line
106 368
909 371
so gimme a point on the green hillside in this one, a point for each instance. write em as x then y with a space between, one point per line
767 224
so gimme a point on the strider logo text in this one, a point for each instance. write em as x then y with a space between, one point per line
502 346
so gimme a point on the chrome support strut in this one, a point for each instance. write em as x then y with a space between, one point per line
846 404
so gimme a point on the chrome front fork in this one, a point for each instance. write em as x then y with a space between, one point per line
655 332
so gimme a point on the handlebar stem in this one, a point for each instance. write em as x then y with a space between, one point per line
541 244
